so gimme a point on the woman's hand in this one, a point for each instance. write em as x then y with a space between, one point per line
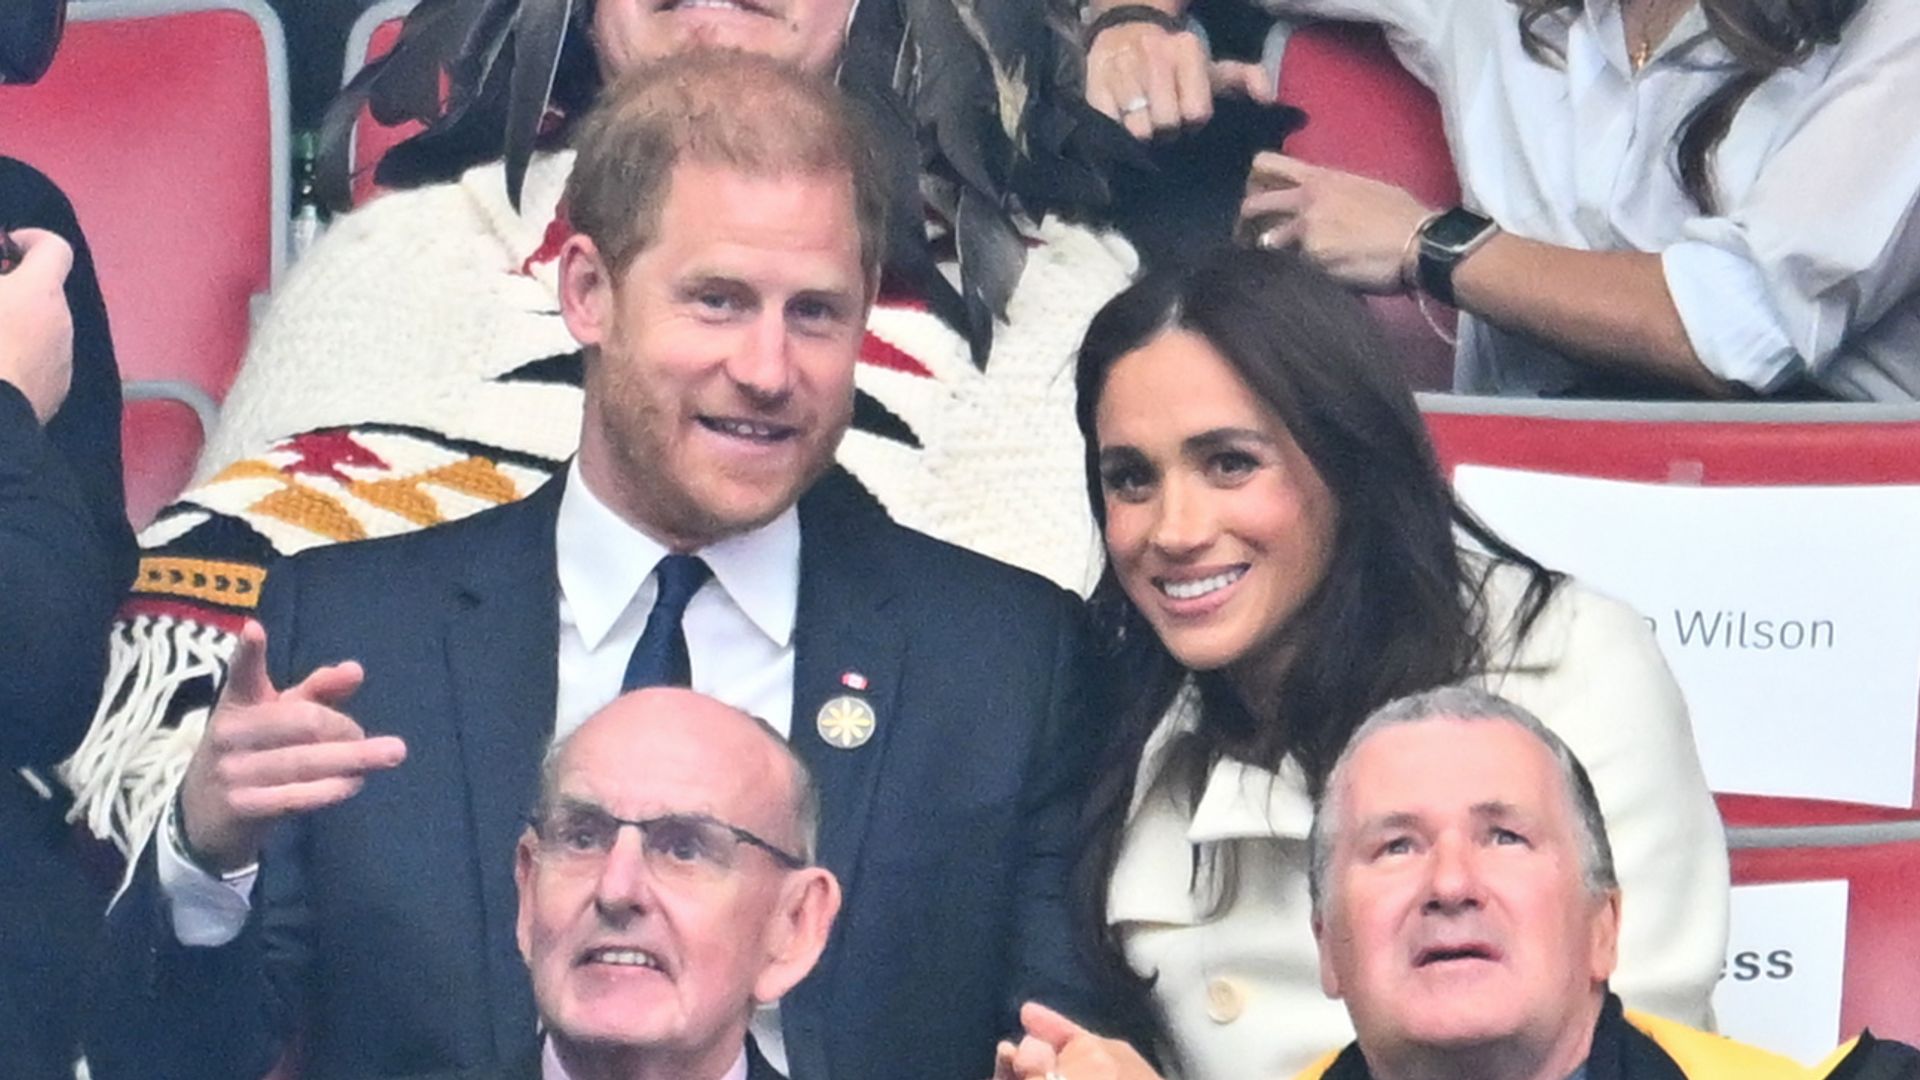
36 330
1056 1048
1357 231
1157 82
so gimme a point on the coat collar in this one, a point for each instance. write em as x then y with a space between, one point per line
1152 879
1239 801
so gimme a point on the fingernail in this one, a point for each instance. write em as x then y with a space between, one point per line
1269 239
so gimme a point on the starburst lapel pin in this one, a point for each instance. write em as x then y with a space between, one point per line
847 720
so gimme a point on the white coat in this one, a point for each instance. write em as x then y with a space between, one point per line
1241 989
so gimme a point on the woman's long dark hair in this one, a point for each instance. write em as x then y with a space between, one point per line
1763 36
1398 610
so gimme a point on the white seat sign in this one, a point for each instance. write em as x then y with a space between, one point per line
1786 954
1790 615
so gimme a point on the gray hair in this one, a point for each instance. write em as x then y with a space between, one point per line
1464 703
804 805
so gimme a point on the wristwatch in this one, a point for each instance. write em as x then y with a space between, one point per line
1444 242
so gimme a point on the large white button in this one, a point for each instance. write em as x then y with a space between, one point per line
1225 1000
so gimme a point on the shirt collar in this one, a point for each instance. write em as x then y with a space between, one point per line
602 560
552 1069
761 571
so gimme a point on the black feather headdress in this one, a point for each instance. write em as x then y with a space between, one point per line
978 105
488 78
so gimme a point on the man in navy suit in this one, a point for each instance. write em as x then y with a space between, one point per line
337 871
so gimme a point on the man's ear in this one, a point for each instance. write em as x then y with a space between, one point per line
523 884
797 931
1329 978
1606 937
586 290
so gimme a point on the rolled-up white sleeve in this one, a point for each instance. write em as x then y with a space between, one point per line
1826 241
1725 304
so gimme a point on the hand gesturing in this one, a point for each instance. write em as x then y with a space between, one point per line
268 753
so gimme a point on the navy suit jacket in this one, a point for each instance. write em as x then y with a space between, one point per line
383 928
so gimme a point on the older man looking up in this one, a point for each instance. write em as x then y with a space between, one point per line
1467 912
667 888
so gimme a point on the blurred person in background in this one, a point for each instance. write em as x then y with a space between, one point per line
66 556
1660 198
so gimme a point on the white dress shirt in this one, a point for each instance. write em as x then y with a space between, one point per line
739 626
1812 264
551 1069
739 630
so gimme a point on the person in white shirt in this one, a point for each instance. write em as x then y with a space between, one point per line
666 888
1660 196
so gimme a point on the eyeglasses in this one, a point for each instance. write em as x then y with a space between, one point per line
681 847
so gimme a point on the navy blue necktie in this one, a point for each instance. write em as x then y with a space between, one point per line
660 658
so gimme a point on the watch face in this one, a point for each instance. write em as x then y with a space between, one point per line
1456 229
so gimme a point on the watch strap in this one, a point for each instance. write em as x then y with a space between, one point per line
1122 14
1445 240
176 829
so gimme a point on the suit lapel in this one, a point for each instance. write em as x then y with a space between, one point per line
845 631
846 626
502 651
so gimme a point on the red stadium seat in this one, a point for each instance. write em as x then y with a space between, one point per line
165 121
1883 923
373 34
162 428
1713 444
1366 114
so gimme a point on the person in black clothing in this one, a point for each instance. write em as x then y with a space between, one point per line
66 556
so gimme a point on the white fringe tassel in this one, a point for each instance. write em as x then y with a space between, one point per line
137 749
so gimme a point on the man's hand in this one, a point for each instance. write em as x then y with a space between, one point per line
1056 1048
1353 229
1160 83
269 753
36 329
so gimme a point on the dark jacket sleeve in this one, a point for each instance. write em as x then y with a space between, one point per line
226 1012
1049 966
66 551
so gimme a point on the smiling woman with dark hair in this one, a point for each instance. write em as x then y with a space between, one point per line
1285 557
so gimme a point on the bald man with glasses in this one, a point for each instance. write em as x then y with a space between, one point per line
667 889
